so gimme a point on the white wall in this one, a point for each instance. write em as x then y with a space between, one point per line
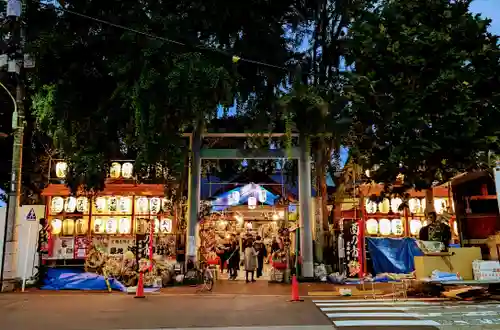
27 239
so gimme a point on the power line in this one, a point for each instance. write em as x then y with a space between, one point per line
234 58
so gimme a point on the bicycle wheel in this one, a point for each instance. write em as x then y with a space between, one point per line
208 282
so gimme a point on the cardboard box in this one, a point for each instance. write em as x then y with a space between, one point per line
460 262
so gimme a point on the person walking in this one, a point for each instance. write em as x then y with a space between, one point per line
260 248
250 260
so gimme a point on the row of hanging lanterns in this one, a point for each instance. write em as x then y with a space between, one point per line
108 225
386 227
117 170
415 205
110 204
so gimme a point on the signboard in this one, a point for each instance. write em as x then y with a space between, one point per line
31 216
64 247
352 250
82 245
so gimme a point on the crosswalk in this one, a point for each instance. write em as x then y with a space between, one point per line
353 314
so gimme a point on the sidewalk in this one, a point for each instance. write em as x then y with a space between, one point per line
259 288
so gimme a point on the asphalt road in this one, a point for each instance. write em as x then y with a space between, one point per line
67 311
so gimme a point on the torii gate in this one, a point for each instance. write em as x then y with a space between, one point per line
301 153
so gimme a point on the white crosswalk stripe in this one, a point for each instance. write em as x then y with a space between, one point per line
354 313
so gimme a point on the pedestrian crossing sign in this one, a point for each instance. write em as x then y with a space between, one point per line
31 216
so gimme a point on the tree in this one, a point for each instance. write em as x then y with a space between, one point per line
425 95
103 93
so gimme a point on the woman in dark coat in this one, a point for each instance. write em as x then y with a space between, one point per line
234 260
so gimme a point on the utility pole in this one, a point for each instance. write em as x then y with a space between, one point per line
15 66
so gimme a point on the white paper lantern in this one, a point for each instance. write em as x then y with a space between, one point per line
127 170
415 226
370 206
142 205
395 204
56 226
112 204
455 227
384 206
372 226
111 226
70 205
125 204
61 169
252 202
100 204
125 226
414 205
397 227
165 226
154 205
56 205
115 170
82 204
98 226
384 227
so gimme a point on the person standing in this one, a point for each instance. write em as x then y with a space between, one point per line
234 260
260 248
250 260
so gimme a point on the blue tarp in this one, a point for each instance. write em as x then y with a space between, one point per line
393 255
75 279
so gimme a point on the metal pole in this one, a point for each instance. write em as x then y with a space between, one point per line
287 251
306 240
193 192
18 122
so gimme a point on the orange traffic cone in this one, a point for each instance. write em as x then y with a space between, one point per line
295 290
139 293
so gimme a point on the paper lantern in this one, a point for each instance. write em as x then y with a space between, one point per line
252 202
98 226
141 226
81 226
68 227
56 205
61 169
82 204
56 226
384 227
384 206
70 205
370 206
100 204
262 195
111 226
125 226
439 205
372 226
115 171
165 226
455 227
415 226
127 170
397 227
125 204
414 205
142 205
112 204
395 204
423 205
154 205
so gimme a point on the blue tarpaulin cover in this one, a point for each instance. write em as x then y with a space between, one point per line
76 279
393 255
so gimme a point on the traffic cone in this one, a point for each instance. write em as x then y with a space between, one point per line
295 290
139 293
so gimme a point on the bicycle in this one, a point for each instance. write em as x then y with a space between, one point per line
202 279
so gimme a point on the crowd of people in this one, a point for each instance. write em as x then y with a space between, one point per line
252 257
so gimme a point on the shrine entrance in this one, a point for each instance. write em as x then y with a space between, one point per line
195 216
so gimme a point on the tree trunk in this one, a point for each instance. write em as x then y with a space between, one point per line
429 200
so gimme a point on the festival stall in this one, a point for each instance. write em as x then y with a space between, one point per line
124 223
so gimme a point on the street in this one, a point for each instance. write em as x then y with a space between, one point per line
75 311
412 314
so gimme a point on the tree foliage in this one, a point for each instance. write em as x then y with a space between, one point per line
425 95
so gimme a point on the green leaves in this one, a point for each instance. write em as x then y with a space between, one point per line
424 106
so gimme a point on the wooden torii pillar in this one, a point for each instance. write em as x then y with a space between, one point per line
300 153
